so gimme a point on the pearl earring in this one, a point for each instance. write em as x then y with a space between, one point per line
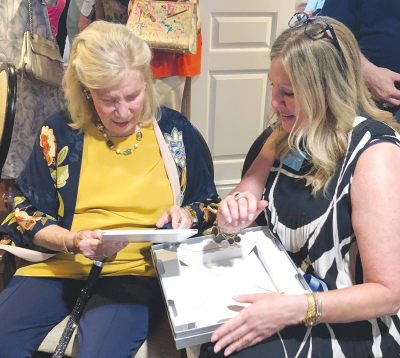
87 93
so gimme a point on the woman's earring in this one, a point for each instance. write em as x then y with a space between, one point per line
87 93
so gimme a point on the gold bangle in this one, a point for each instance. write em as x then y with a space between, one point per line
226 238
312 314
318 303
64 248
193 215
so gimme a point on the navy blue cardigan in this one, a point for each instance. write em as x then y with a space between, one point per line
46 190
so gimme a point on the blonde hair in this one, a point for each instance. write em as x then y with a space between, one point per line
99 57
331 90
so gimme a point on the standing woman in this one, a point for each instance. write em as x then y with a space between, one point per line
331 173
35 101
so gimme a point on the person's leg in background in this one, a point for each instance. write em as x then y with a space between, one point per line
73 15
62 28
118 316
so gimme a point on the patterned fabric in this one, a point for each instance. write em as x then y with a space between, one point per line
35 102
177 149
46 190
319 230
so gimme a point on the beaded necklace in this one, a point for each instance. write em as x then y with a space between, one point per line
111 145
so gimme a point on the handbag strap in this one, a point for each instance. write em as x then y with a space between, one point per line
31 33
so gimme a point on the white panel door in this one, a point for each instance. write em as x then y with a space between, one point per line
230 98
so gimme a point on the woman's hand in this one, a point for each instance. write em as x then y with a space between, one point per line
179 217
267 314
239 210
89 245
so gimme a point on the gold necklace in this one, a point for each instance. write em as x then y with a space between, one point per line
111 145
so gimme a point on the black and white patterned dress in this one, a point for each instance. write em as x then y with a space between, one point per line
319 230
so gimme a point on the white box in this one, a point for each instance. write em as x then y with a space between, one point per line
198 278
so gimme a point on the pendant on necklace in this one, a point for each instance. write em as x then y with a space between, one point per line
110 144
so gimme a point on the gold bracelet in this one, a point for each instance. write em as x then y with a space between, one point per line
228 238
312 314
192 214
64 248
318 303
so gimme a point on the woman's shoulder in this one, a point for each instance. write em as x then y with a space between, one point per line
363 124
59 124
57 120
169 118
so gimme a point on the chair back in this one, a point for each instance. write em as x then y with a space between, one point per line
255 149
206 149
8 102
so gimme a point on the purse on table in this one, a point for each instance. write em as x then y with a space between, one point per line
40 58
165 25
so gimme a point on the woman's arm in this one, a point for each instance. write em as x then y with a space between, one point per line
375 199
241 213
87 243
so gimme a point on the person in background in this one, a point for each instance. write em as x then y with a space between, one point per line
62 29
326 185
376 26
80 14
172 72
114 161
313 5
54 15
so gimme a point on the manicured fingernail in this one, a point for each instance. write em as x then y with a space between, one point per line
229 219
217 349
243 222
251 216
227 353
214 338
236 223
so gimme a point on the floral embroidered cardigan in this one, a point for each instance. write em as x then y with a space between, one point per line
46 190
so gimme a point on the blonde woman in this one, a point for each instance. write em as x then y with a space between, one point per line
330 172
105 164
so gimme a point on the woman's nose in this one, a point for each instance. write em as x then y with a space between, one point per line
122 110
277 100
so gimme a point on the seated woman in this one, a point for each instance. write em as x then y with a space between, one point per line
330 171
105 164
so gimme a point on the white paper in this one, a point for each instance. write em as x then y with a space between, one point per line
200 279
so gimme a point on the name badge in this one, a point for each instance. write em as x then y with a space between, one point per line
294 159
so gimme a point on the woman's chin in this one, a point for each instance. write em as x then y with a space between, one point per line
288 123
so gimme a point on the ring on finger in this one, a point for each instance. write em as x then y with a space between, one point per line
237 196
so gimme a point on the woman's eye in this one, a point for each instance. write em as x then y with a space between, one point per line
131 98
288 94
108 102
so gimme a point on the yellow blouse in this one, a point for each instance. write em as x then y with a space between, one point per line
115 192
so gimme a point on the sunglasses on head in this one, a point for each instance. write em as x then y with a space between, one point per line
318 29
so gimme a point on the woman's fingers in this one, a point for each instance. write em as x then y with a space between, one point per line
225 216
239 210
177 216
90 246
165 218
